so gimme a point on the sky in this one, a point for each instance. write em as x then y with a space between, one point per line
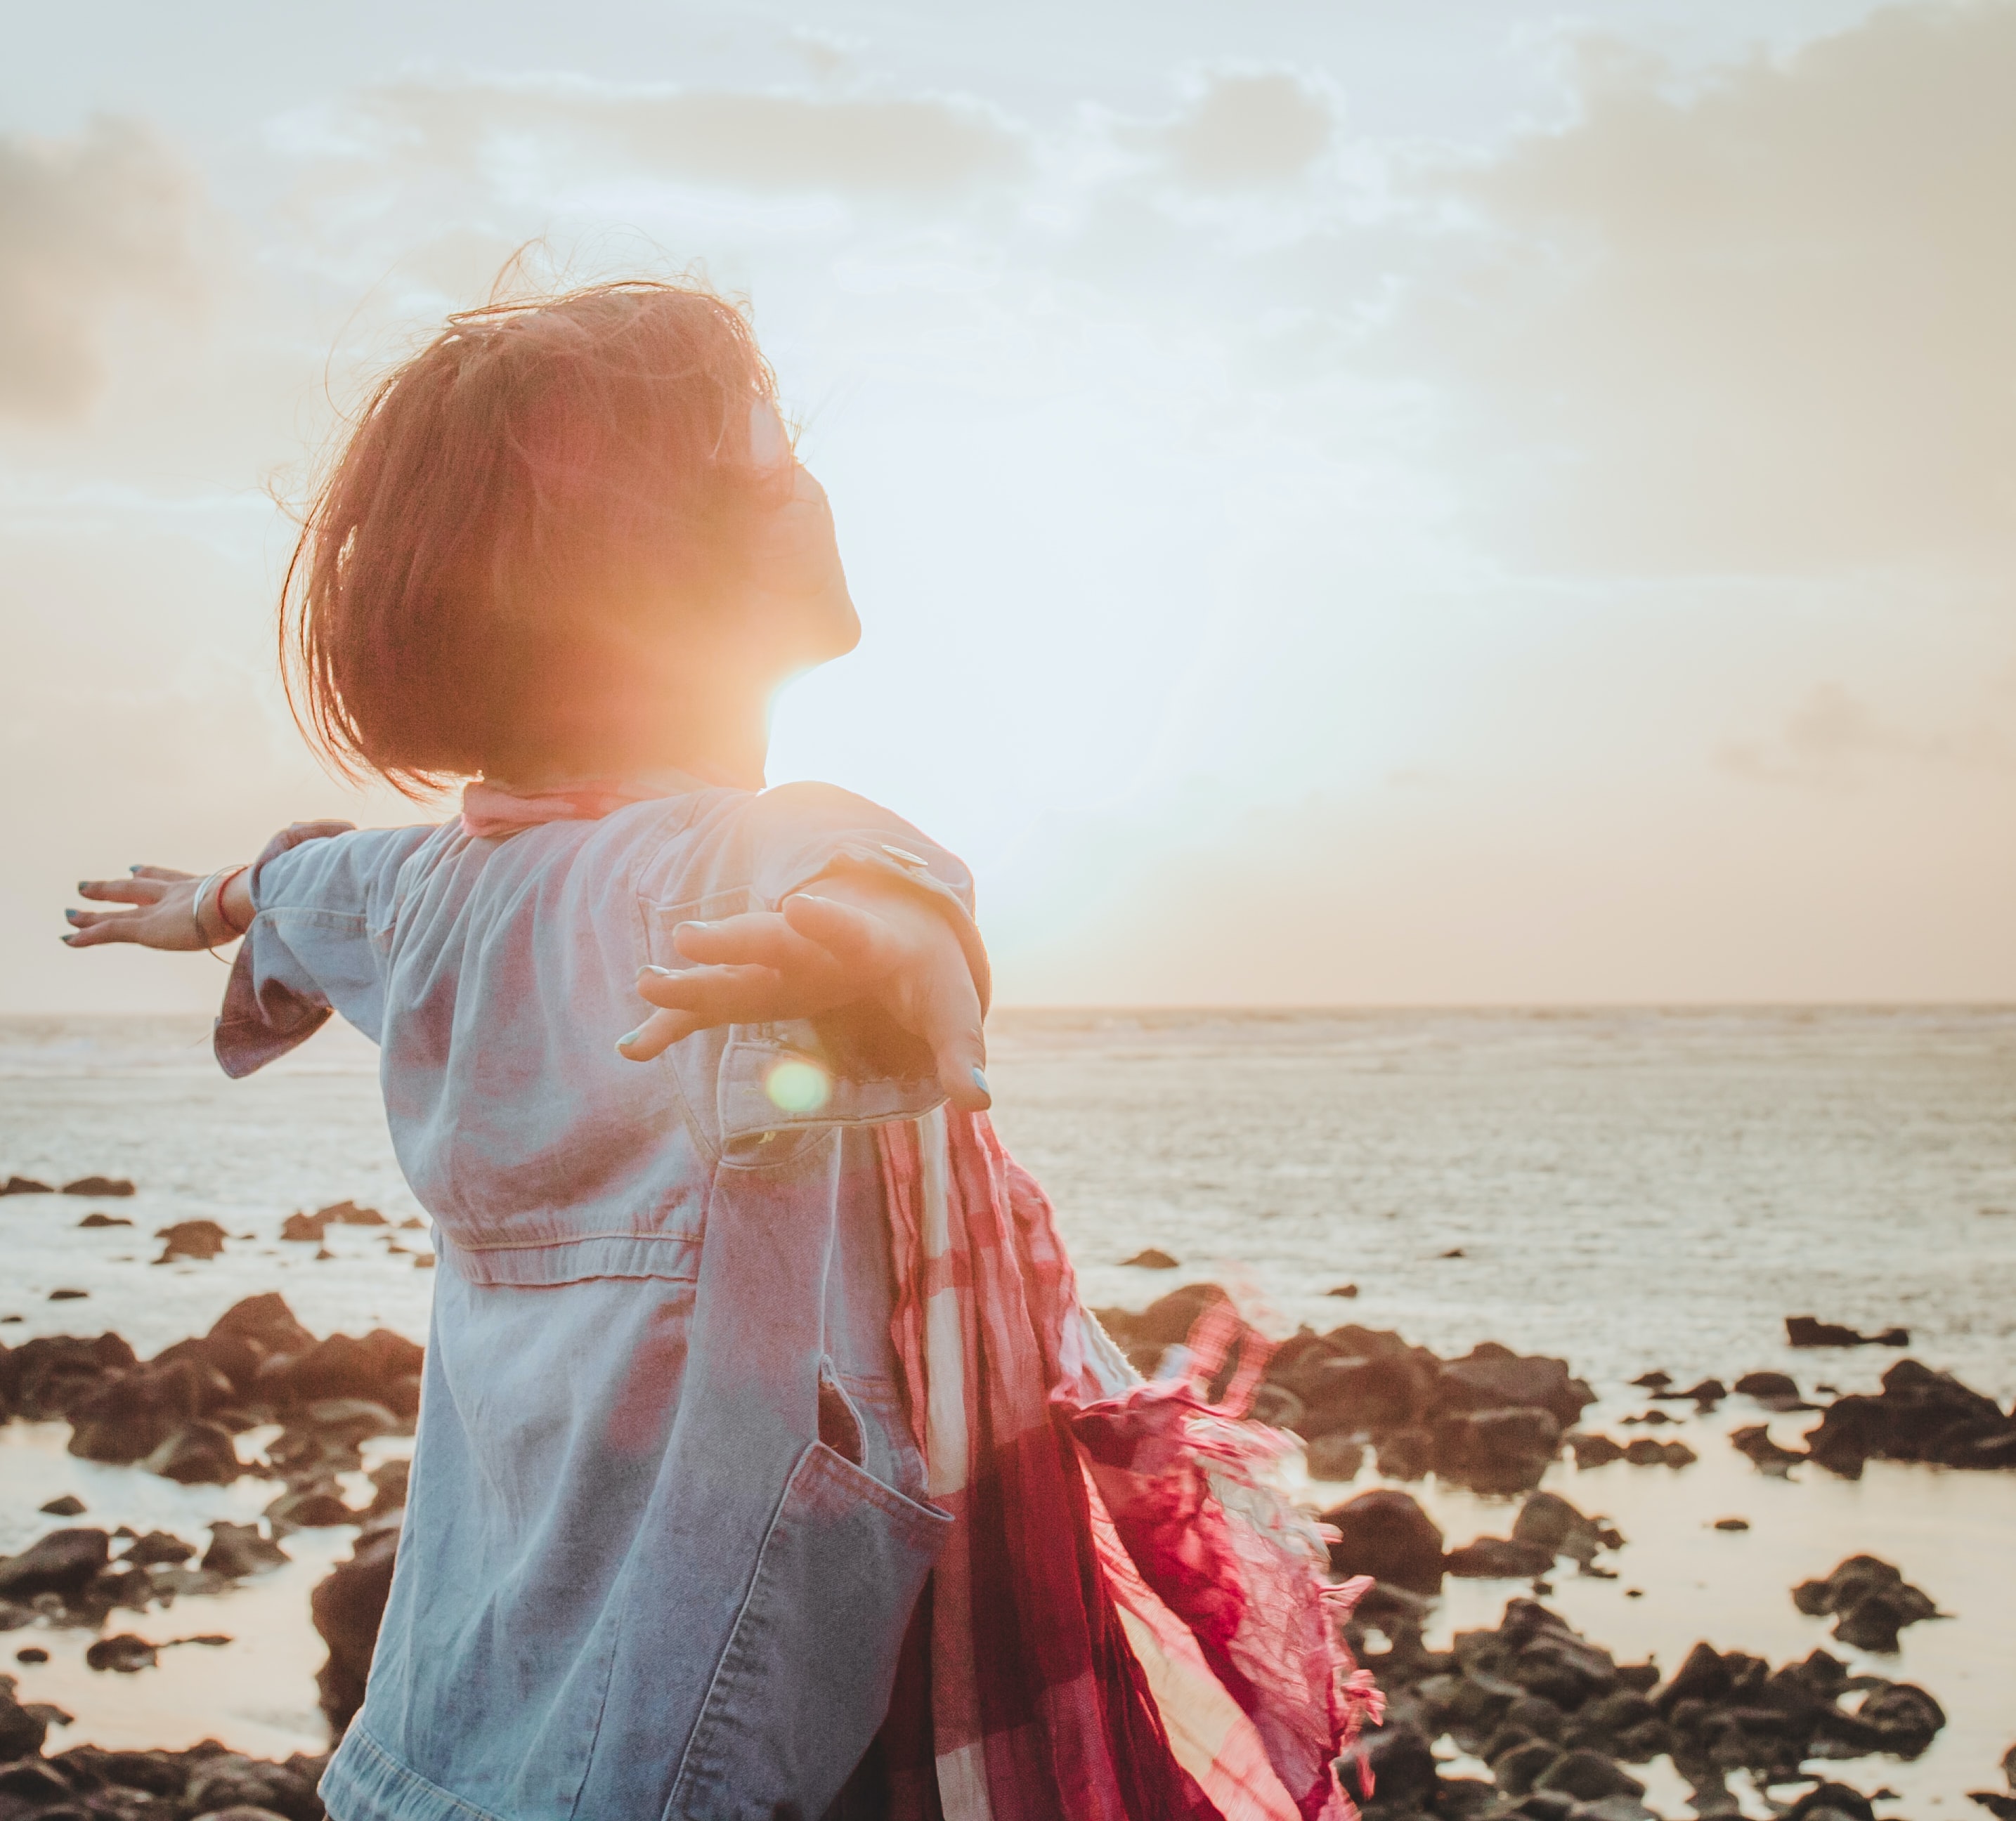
1448 502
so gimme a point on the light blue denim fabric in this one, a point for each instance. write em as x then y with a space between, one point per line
666 1523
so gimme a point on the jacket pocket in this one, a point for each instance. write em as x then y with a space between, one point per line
804 1680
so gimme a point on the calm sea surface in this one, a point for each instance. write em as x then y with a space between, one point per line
1628 1189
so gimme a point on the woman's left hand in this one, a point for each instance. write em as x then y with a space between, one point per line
850 942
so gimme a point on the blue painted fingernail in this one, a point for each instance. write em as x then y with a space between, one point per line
652 967
980 1082
625 1042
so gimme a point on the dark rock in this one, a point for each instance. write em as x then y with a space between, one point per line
1904 1718
62 1563
31 1653
1346 1290
1588 1777
191 1239
1494 1558
21 1733
51 1374
2003 1808
1922 1416
198 1454
1335 1456
1386 1534
68 1506
41 1784
124 1652
1732 1524
304 1226
1831 1798
388 1484
158 1546
227 1780
1464 1798
1151 1258
349 1214
25 1186
314 1509
1768 1385
1755 1442
238 1550
267 1320
104 1185
1402 1764
1406 1454
1491 1377
127 1418
1709 1390
347 1606
1514 1769
68 1295
1548 1520
104 1220
1808 1331
1872 1600
1653 1381
1593 1450
1497 1450
1361 1394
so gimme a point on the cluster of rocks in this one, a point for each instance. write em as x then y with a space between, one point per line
86 1783
80 1575
1493 1419
95 1185
1869 1600
1557 1720
1811 1331
177 1414
1919 1414
1385 1534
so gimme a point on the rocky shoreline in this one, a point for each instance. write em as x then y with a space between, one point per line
1554 1721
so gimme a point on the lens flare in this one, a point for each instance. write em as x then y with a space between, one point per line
796 1085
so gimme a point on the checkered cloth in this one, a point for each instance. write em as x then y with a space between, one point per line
1128 1624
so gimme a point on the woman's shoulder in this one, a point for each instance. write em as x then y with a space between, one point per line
779 839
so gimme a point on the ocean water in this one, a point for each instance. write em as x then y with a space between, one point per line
1630 1189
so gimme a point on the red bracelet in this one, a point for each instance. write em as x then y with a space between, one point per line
223 917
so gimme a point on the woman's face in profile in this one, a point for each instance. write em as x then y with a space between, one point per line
798 603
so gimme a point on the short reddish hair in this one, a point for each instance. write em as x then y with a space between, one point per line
536 475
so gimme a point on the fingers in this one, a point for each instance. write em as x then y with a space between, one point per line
755 939
960 1051
169 873
93 929
723 995
145 887
656 1035
863 944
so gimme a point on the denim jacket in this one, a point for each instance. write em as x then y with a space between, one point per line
666 1523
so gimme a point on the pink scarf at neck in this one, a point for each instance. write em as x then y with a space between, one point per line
489 808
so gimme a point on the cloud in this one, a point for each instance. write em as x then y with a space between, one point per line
1243 127
1832 740
775 141
87 225
1768 326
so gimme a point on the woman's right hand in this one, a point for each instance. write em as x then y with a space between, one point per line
164 915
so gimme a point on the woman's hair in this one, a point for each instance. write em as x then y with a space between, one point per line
538 476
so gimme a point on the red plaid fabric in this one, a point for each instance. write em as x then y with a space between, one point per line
1127 1624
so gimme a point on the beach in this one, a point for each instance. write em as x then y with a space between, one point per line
1632 1192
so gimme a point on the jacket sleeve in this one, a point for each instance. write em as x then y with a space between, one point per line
323 898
